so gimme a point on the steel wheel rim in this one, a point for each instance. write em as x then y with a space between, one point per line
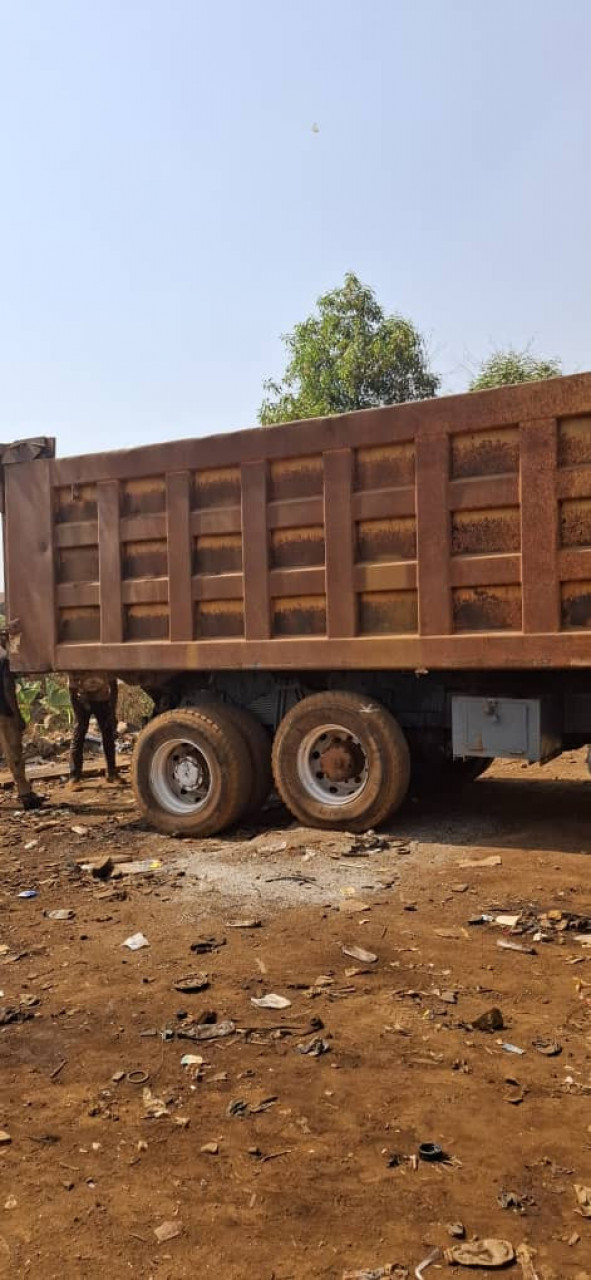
181 776
320 787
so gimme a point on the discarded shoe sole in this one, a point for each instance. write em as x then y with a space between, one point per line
191 983
550 1048
482 1253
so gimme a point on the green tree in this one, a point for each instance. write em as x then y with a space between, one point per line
505 368
348 355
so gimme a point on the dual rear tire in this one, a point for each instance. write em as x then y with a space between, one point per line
199 770
340 761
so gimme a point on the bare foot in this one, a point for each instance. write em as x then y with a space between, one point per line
75 784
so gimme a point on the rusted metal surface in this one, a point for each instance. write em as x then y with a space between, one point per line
338 521
386 540
178 626
299 616
343 759
449 533
219 618
388 613
485 453
480 533
297 548
492 608
433 534
576 604
292 478
539 526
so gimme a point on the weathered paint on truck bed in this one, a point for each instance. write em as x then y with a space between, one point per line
449 533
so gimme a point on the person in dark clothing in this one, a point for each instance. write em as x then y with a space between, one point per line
11 733
93 694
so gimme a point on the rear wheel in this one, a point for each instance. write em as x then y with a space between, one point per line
258 745
192 773
341 761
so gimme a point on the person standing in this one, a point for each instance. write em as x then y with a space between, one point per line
93 694
12 727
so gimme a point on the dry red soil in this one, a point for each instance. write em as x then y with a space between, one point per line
320 1179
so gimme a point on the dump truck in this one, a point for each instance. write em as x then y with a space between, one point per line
335 606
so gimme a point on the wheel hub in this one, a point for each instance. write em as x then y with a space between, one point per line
181 775
186 774
332 765
342 760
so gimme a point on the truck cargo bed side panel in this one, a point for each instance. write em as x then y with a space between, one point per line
443 534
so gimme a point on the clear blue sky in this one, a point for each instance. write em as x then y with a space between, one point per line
167 210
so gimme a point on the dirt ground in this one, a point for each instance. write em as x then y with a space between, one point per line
312 1171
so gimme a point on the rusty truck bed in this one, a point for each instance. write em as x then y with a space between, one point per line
450 533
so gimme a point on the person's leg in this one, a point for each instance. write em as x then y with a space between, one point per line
11 742
81 723
105 716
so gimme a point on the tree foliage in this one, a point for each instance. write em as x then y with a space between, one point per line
45 701
349 355
505 368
